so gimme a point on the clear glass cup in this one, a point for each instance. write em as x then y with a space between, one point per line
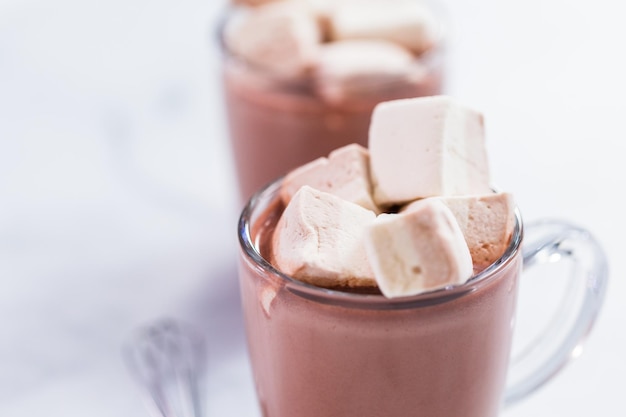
323 353
278 123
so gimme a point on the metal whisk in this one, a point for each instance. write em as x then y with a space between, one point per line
168 360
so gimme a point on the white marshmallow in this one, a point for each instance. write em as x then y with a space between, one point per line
319 240
407 23
320 8
487 222
254 3
427 146
361 68
345 173
280 37
417 251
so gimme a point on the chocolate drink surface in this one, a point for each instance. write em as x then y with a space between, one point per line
327 354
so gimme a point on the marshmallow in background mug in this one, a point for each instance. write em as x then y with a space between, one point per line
424 147
487 222
254 3
417 251
345 173
358 69
281 37
409 23
319 239
321 9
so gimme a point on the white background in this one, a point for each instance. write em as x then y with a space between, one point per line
117 202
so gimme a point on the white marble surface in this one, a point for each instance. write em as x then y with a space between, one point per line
117 203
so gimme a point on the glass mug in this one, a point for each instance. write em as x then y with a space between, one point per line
322 353
276 123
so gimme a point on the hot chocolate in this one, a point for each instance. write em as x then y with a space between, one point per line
369 296
323 353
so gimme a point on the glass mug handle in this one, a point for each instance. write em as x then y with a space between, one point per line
558 242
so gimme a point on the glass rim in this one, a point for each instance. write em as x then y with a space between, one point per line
268 194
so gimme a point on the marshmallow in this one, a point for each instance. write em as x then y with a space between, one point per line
253 3
360 68
427 146
321 9
487 222
319 240
407 23
280 37
418 250
345 173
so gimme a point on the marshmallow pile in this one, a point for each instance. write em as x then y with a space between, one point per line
348 48
413 212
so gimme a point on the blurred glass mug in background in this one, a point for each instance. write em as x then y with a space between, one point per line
301 77
324 353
